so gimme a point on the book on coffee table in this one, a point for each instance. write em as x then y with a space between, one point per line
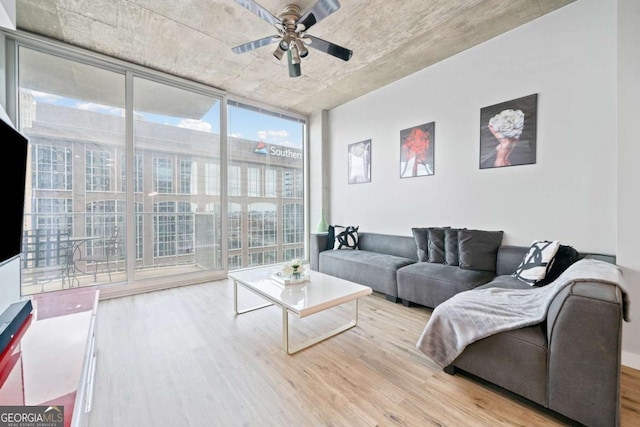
286 280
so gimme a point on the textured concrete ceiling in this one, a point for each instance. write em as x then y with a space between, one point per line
390 39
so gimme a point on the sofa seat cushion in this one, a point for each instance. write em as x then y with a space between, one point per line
378 271
431 284
515 360
505 282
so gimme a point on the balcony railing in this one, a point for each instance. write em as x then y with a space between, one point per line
75 250
89 249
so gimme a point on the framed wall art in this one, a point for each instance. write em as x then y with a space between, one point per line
416 150
359 158
508 133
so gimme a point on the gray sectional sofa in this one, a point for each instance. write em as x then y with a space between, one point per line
389 265
569 363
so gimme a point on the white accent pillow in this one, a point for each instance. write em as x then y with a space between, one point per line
537 262
347 239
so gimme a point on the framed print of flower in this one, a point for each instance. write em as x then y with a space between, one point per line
416 150
508 133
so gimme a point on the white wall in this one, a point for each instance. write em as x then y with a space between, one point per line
584 188
318 168
7 20
628 171
8 14
10 281
569 59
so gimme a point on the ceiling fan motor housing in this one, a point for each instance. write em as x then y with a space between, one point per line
289 16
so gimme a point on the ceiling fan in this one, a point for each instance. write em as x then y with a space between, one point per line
292 36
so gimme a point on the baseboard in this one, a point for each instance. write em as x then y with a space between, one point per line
631 360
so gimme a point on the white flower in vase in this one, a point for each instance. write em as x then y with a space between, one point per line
287 270
293 268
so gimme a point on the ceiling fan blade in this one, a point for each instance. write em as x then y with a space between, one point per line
317 13
330 48
260 11
255 44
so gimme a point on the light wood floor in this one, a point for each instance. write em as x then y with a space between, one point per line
180 357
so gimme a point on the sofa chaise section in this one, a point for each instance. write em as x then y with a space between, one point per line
570 363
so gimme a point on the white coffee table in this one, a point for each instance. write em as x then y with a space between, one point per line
319 293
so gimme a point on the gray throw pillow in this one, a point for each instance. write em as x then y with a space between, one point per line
478 249
451 246
436 244
421 236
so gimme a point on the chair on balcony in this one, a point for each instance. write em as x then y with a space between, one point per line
45 255
96 253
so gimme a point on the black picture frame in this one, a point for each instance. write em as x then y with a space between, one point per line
514 143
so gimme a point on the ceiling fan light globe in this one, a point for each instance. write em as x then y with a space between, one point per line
302 49
295 55
278 53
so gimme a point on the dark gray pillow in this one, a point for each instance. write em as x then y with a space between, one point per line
478 249
421 236
565 256
436 244
451 246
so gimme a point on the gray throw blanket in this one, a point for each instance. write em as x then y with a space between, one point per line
472 315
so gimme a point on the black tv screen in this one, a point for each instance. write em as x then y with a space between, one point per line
14 148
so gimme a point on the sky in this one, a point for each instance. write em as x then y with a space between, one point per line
242 123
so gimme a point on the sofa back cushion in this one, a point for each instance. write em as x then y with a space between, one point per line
402 246
478 249
509 257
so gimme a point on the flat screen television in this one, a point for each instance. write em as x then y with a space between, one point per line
14 149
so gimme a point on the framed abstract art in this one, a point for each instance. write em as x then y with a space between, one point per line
359 159
416 150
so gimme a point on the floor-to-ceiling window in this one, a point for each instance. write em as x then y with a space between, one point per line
177 138
132 175
73 115
266 186
107 205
